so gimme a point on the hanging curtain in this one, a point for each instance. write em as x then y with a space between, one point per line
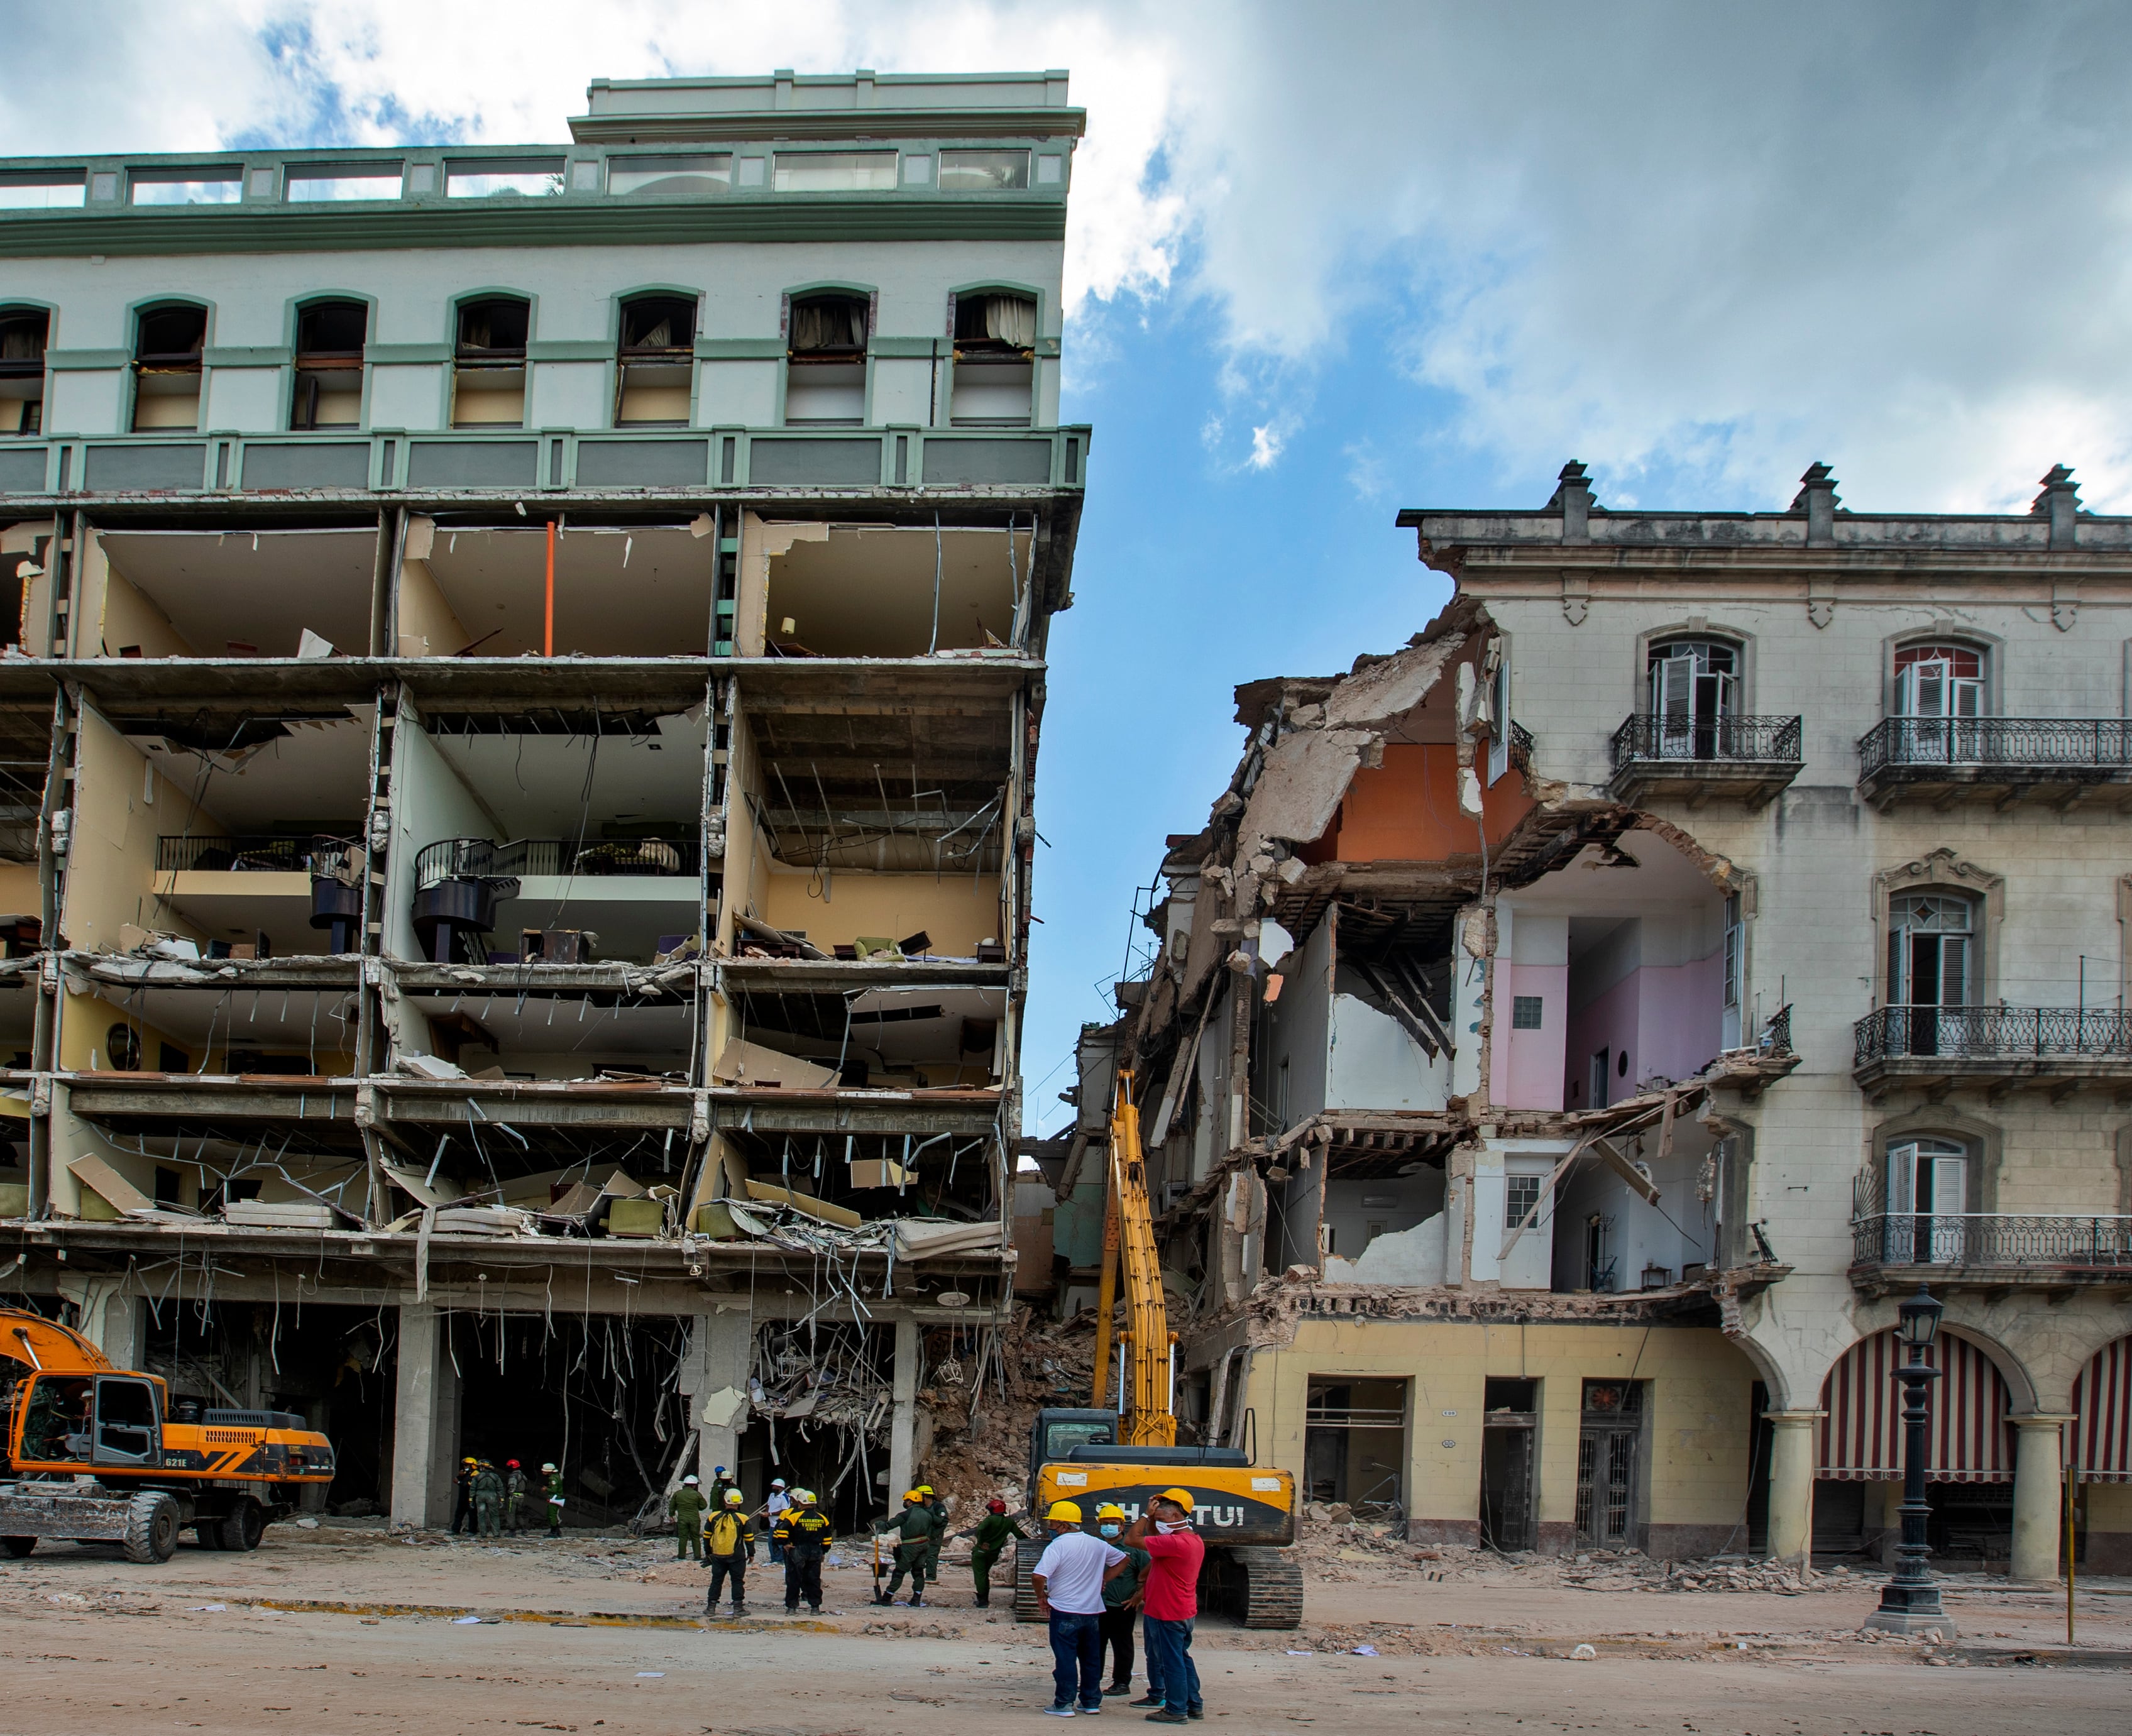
1011 320
822 325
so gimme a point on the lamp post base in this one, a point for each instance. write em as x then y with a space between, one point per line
1911 1609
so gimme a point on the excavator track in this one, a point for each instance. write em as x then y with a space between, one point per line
1025 1556
1261 1587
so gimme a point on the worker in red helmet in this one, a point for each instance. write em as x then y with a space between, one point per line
990 1535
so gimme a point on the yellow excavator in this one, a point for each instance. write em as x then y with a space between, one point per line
1127 1454
88 1453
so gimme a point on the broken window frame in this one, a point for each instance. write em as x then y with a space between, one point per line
488 361
314 368
15 321
702 175
983 161
209 184
19 190
167 365
654 363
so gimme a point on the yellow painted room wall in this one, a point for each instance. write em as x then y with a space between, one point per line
20 893
111 861
1699 1399
86 1022
956 910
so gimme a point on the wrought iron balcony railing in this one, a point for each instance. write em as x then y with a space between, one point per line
1521 745
1991 1238
318 855
2030 745
1993 1034
473 859
1717 741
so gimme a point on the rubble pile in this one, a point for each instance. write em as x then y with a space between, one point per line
981 1440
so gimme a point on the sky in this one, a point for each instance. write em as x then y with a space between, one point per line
1327 262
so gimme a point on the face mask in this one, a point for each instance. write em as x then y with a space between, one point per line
1108 1531
1166 1525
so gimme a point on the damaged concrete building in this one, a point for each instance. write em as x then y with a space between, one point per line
590 1035
1572 1033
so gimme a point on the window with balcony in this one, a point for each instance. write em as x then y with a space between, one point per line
1927 1193
1931 969
168 343
655 361
994 371
22 335
1694 691
488 372
825 366
329 388
1936 681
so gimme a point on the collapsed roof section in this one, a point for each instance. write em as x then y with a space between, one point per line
1404 990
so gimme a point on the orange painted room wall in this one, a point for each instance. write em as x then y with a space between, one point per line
1407 809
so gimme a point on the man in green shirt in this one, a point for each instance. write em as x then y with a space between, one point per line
992 1535
913 1530
517 1497
686 1505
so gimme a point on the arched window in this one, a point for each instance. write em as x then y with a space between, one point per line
488 362
994 359
1926 1179
168 343
1933 974
1694 690
825 358
329 341
1939 681
22 335
655 360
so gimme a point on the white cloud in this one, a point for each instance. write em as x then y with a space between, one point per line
1267 442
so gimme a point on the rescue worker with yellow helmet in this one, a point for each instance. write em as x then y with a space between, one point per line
805 1532
913 1530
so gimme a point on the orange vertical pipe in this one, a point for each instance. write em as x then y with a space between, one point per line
548 623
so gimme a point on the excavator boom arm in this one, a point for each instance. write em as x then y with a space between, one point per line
1130 1253
47 1347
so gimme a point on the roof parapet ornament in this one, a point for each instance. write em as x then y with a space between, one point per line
1818 500
2060 502
1572 499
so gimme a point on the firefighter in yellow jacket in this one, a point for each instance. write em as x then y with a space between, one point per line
731 1542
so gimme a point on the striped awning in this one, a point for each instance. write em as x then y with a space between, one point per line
2102 1415
1861 1436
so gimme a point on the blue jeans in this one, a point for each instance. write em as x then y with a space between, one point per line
1077 1659
1171 1674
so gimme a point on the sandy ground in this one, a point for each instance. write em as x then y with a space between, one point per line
345 1629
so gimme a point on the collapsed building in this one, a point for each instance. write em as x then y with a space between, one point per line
521 704
1572 1033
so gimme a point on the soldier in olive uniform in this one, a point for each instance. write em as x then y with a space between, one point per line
553 1490
991 1536
487 1501
517 1497
686 1505
914 1532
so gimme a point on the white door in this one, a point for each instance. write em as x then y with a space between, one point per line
1927 1200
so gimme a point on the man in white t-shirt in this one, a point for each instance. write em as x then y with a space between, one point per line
776 1504
1069 1578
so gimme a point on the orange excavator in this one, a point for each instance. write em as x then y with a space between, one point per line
1246 1514
90 1453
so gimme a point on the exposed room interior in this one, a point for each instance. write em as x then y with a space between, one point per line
817 590
874 1174
215 1030
471 590
904 1037
1612 977
585 825
536 1034
233 828
869 835
229 593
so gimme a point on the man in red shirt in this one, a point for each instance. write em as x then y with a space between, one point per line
1171 1601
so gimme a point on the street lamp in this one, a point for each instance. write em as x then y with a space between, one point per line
1909 1602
